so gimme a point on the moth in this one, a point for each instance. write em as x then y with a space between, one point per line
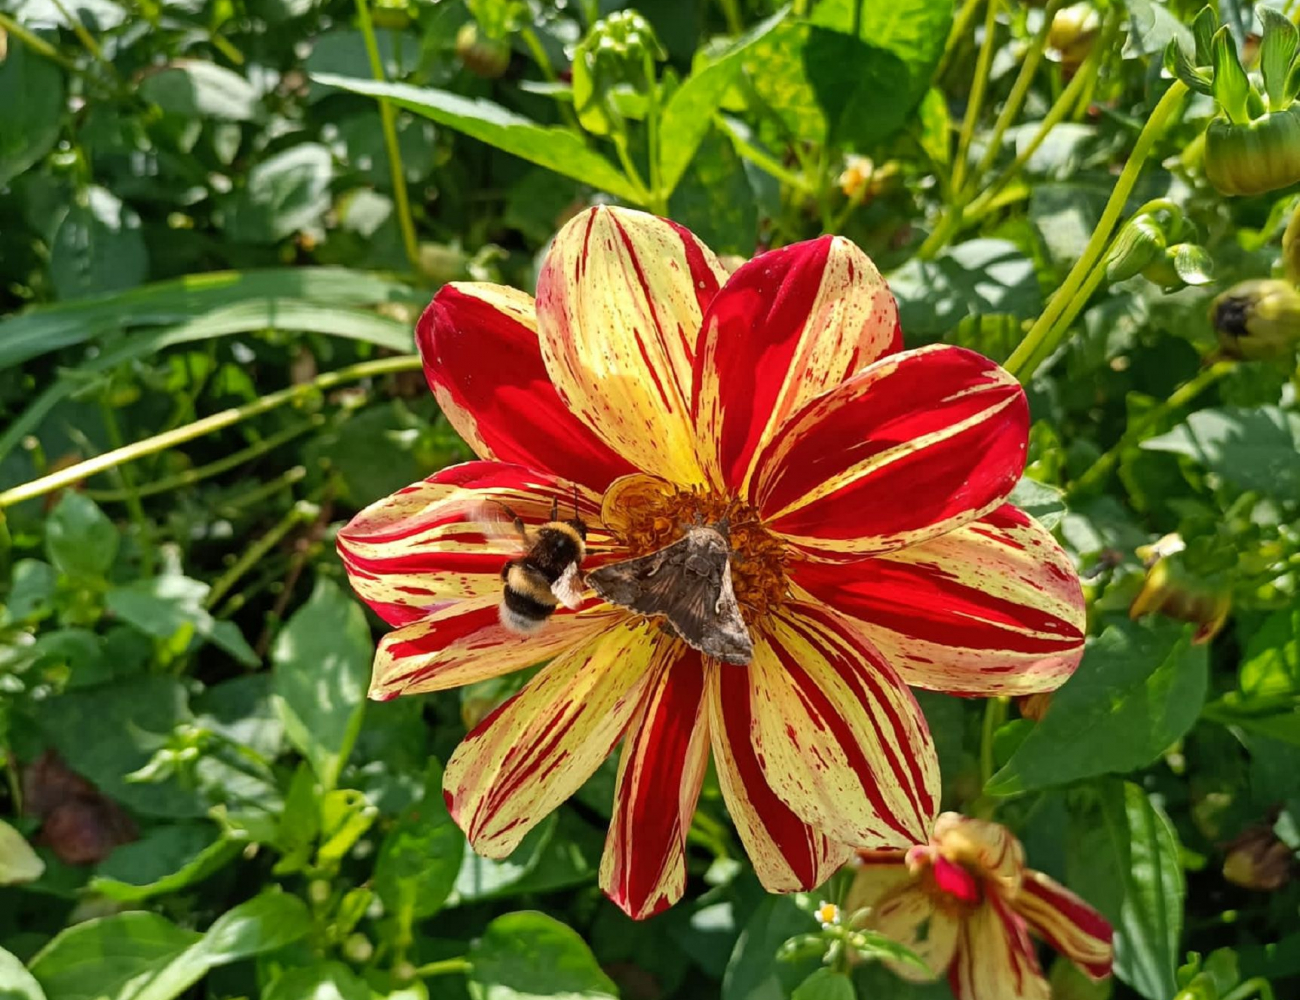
688 583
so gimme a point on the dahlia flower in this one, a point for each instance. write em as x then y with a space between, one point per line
872 547
965 904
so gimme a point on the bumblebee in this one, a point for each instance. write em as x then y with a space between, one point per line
547 575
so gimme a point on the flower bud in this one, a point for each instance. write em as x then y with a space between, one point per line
1136 247
619 50
1254 157
1072 33
1259 860
358 948
481 55
1257 319
1291 248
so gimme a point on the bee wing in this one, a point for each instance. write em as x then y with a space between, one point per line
568 589
494 521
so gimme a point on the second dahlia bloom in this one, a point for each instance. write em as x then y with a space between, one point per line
965 904
864 487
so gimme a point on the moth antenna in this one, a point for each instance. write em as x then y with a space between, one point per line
575 501
555 508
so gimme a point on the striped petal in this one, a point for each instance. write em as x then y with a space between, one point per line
619 302
995 958
909 916
538 748
992 608
979 846
411 552
484 364
1067 923
787 326
913 446
788 855
465 642
839 737
662 766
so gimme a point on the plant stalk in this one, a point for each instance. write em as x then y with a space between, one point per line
976 103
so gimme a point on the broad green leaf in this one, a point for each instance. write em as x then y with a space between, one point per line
97 247
270 295
825 984
1254 449
976 278
16 983
934 127
191 88
96 15
112 958
420 857
345 816
322 664
282 195
265 923
1276 52
527 955
18 862
1043 502
326 981
31 586
1139 688
913 30
166 859
171 608
1151 921
715 200
557 149
486 878
343 51
774 68
688 114
111 730
754 972
31 109
1271 662
80 540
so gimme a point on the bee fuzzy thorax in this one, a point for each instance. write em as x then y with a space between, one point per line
545 576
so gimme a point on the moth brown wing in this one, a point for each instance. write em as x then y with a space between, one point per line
689 584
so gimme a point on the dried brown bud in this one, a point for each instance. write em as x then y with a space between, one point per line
1258 860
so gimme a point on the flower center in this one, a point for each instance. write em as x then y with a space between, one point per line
650 516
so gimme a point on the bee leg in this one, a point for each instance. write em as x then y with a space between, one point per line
516 520
555 508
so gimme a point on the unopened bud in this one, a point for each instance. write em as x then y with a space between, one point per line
358 948
1138 244
1072 33
481 55
1257 319
1254 157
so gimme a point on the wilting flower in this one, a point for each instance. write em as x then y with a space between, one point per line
872 548
965 904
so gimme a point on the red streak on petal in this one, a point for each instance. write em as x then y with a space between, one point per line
956 881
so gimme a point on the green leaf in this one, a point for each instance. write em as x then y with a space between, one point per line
1180 67
112 958
1231 85
754 972
1043 502
326 981
345 816
31 109
420 857
976 278
715 200
775 68
80 540
18 862
934 127
529 955
108 731
1254 449
322 663
97 247
824 984
282 195
1147 937
1271 663
191 88
167 859
1192 263
16 983
31 587
265 923
689 112
1204 25
171 608
1276 54
557 149
1139 688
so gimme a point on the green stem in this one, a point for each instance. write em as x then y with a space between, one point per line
629 168
1179 398
1047 332
768 163
388 123
126 478
960 31
995 713
253 555
1259 985
731 13
1019 90
192 476
215 422
658 197
36 43
543 61
976 102
85 37
445 967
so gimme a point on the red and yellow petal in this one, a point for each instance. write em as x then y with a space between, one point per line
484 364
1067 923
664 757
995 957
787 326
442 539
913 446
839 737
538 748
992 608
788 854
464 642
909 916
620 299
981 847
